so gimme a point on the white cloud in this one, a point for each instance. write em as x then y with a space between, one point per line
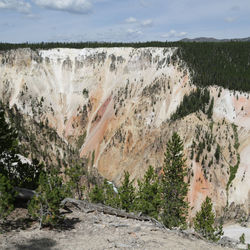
18 5
147 23
230 19
174 34
73 6
131 20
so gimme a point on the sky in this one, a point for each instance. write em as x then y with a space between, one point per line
122 20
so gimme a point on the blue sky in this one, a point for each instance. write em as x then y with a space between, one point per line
122 20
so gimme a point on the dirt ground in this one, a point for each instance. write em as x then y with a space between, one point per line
99 231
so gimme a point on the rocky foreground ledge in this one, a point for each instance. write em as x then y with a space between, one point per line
95 230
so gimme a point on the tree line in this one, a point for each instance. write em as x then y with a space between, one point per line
224 64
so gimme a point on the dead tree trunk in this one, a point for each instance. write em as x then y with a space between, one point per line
90 207
24 193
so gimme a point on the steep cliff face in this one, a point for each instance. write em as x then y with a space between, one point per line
114 106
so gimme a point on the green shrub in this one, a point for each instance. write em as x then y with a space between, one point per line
242 239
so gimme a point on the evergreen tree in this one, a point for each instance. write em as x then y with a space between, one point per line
148 198
210 109
204 222
127 193
75 174
8 135
111 197
7 197
174 187
217 153
97 195
45 205
19 173
105 194
7 146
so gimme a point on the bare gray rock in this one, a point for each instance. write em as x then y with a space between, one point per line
97 230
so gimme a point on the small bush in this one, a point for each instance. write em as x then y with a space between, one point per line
242 239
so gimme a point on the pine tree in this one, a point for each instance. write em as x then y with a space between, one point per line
148 198
97 195
204 222
19 174
75 174
217 153
7 145
111 197
174 187
7 197
45 205
210 109
127 193
8 135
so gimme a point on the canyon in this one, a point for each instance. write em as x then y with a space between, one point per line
114 106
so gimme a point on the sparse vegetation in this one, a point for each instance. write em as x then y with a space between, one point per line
81 140
234 169
93 158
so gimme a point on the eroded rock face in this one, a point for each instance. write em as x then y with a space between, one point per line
114 105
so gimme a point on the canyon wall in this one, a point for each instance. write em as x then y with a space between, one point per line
114 106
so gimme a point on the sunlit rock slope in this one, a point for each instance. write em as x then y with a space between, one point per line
114 106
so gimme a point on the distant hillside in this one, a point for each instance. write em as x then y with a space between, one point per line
211 39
